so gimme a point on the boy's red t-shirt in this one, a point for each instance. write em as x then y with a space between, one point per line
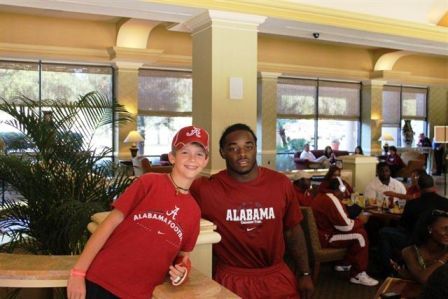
158 224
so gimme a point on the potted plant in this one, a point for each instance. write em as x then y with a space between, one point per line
61 180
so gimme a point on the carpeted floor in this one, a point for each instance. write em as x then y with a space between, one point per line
336 285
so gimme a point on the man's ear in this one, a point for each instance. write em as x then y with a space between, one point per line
221 152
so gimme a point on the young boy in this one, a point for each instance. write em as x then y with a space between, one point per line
154 221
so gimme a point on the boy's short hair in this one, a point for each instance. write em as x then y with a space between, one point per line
190 134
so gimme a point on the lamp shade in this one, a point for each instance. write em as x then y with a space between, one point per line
441 134
386 137
133 137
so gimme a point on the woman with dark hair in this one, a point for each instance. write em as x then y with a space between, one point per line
345 189
358 150
430 249
334 172
328 152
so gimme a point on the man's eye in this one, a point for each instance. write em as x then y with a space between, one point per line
232 149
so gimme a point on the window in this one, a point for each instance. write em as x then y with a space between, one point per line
69 82
399 104
317 112
338 115
58 81
296 106
165 105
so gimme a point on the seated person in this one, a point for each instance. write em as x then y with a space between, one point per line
335 173
423 141
307 155
393 239
430 249
303 187
413 191
383 182
436 286
359 151
328 152
337 230
394 161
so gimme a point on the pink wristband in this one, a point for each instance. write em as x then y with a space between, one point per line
76 272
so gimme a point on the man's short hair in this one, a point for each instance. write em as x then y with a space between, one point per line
425 181
233 128
392 148
380 166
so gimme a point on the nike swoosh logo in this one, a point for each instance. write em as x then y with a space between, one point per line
250 229
160 233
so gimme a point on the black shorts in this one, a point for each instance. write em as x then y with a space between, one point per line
94 291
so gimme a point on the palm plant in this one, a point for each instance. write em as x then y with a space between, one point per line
62 180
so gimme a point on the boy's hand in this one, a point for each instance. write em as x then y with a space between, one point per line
180 270
76 287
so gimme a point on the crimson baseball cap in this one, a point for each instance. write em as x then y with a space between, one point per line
188 135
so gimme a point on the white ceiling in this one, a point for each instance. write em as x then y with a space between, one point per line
422 12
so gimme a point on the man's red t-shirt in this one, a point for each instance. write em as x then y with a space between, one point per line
158 224
251 217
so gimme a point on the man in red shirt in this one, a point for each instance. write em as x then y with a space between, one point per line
255 210
337 230
303 186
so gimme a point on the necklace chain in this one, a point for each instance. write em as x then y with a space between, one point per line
176 185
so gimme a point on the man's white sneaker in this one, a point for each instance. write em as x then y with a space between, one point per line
364 279
342 268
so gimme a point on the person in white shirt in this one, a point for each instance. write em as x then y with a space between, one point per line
383 182
307 155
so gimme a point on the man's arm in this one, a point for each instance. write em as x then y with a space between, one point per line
296 246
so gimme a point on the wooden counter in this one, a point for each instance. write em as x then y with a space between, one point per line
45 271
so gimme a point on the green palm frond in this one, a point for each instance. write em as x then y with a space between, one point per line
62 181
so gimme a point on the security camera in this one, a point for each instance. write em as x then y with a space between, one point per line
316 35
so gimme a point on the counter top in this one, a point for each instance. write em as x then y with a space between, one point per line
46 271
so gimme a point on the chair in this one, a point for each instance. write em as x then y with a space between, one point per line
412 160
142 165
317 254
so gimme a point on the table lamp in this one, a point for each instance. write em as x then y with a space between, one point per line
133 137
386 137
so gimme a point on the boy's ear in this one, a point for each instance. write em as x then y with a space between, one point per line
171 157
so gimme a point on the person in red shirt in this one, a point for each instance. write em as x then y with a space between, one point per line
154 223
334 172
413 191
256 211
337 230
302 187
394 161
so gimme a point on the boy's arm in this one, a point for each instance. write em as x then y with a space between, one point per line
98 238
76 283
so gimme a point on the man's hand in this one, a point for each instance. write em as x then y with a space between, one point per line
364 217
306 287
